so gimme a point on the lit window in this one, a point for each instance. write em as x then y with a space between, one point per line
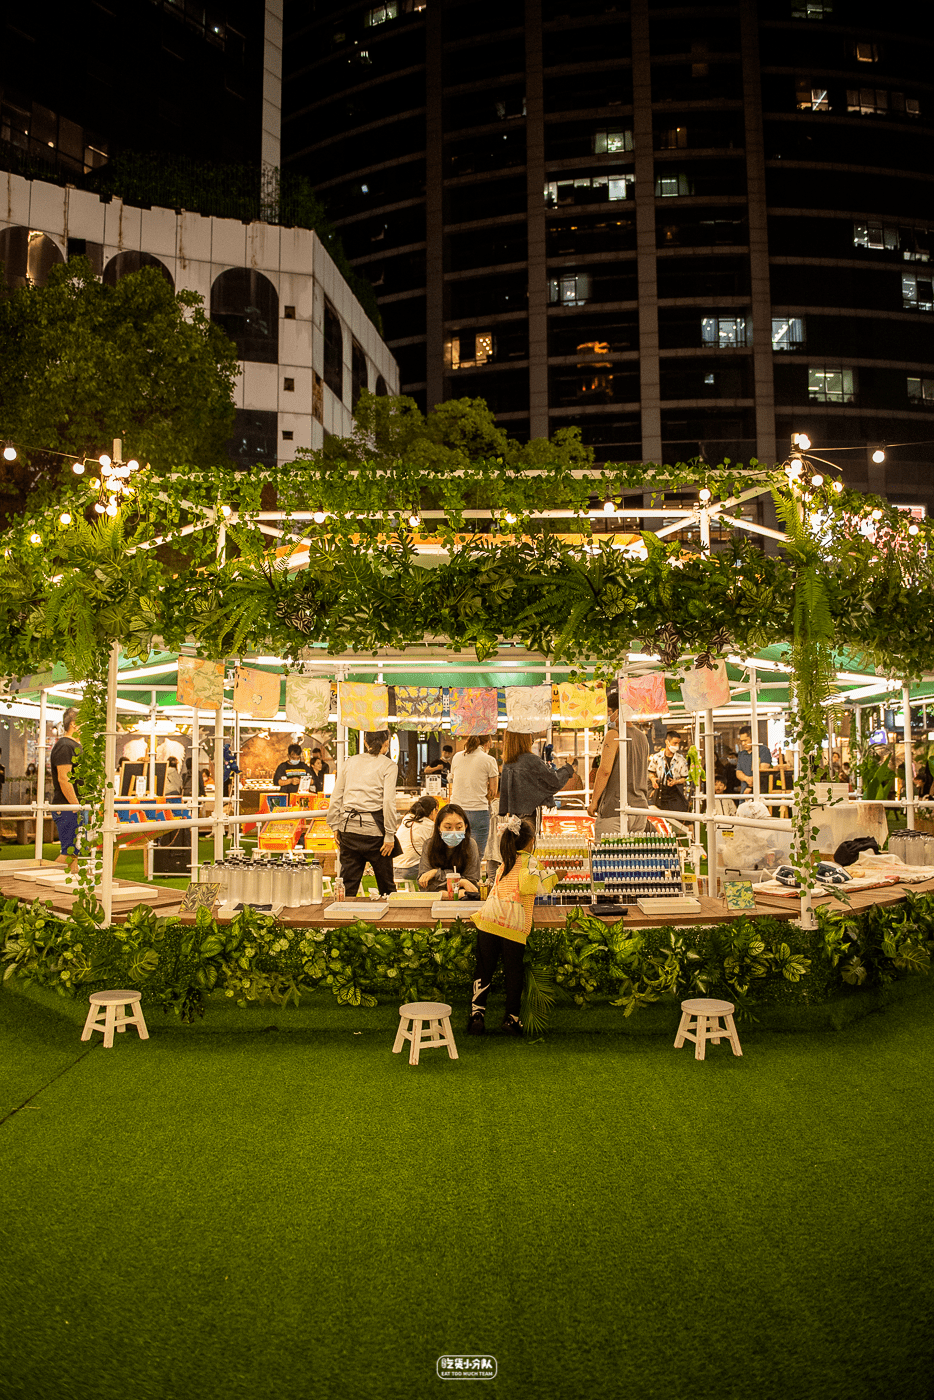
668 185
609 140
811 9
866 52
918 251
876 101
875 236
589 190
900 103
675 138
917 293
921 391
468 350
573 290
726 332
710 379
830 385
380 13
787 333
810 98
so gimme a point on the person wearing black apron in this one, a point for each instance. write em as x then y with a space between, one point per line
362 814
669 771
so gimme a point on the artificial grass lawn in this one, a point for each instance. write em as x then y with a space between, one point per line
301 1214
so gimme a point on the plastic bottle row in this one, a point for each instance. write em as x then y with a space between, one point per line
289 880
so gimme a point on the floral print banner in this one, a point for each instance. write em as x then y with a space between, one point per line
200 683
704 689
642 695
363 706
582 706
307 702
256 693
473 711
528 708
418 706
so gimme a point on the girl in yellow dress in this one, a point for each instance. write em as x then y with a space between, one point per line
505 922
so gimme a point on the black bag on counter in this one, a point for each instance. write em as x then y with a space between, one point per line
847 853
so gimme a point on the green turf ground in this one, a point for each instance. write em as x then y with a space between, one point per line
299 1214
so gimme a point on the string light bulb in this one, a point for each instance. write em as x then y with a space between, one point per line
415 520
78 468
107 469
609 506
64 518
35 539
133 465
225 511
795 468
509 518
104 460
319 517
877 514
912 529
111 508
801 441
99 507
704 493
817 479
838 487
9 453
878 455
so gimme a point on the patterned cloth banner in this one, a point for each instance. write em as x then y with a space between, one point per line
200 683
582 706
642 695
528 708
704 689
473 711
363 706
307 702
256 693
418 706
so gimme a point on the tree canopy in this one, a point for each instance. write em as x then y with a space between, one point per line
82 363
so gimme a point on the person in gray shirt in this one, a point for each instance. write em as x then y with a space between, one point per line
362 814
604 800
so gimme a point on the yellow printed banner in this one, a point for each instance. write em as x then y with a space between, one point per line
200 683
363 706
581 706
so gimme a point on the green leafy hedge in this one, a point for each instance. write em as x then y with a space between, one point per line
753 962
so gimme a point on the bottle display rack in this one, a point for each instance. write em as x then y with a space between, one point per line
629 868
569 857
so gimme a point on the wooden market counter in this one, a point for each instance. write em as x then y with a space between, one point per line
163 901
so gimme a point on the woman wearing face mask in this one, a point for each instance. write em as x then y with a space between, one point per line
451 848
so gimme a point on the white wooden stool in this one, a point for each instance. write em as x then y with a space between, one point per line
707 1015
426 1024
105 1005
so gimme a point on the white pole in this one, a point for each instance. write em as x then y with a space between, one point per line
705 529
110 762
152 745
40 776
697 795
909 766
195 781
236 777
623 775
219 782
806 919
754 725
711 813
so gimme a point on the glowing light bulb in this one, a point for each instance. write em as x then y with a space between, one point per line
111 507
877 514
133 465
838 486
817 479
878 455
319 517
98 506
9 453
509 518
35 539
112 484
802 441
704 493
104 460
609 506
95 483
912 529
794 469
107 469
64 518
78 469
225 511
415 520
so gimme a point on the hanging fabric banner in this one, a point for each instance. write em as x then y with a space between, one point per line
704 689
363 706
256 693
200 683
418 706
307 701
528 708
642 695
582 706
473 711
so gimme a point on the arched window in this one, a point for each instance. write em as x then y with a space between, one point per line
358 374
333 352
382 390
123 263
246 305
28 255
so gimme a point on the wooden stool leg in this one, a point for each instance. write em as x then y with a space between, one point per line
449 1035
400 1035
716 1030
137 1019
90 1024
683 1026
416 1041
734 1038
109 1026
700 1045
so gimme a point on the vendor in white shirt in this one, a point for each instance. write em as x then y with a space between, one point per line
362 814
416 828
474 784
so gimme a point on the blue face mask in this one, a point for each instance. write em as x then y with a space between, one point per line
453 838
